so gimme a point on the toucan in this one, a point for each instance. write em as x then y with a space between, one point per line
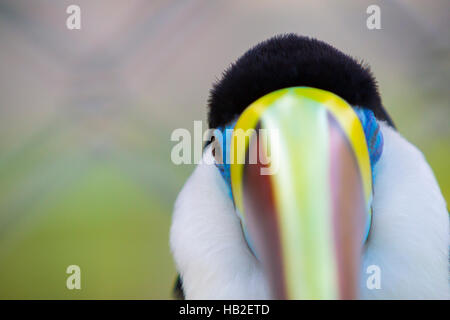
306 190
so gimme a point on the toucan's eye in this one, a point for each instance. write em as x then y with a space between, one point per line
216 150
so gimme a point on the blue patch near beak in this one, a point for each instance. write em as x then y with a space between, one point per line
374 137
223 137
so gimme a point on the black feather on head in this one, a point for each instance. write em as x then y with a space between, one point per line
289 61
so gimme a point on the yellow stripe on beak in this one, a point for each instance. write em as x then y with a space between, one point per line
305 214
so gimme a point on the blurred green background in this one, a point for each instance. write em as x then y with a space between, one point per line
86 117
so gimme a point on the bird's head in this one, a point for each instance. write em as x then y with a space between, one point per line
296 142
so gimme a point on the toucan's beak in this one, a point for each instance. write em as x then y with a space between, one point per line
302 185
